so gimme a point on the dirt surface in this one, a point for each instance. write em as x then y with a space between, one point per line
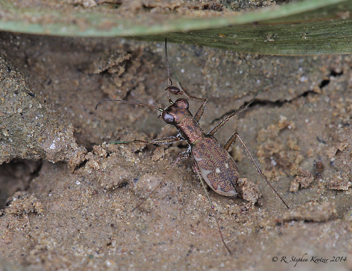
77 213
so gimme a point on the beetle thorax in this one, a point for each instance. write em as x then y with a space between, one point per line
190 129
177 114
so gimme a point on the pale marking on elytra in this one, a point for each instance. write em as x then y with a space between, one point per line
227 165
204 173
217 170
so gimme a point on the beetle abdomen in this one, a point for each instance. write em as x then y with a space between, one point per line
216 166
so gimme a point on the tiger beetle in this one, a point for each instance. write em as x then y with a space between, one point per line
213 163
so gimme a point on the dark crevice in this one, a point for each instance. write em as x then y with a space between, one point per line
17 176
326 82
123 184
81 165
336 74
277 103
280 103
36 172
129 93
254 103
267 103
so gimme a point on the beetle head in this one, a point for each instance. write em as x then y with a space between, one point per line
176 112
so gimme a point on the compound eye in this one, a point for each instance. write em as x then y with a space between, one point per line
182 103
168 118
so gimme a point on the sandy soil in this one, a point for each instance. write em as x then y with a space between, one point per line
77 213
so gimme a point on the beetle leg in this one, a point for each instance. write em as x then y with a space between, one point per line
181 156
201 109
230 141
227 146
157 141
180 90
196 169
226 119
